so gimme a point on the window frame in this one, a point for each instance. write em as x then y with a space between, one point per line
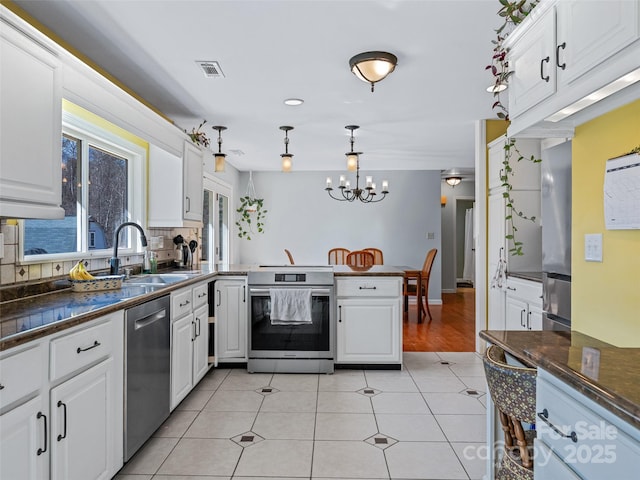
137 158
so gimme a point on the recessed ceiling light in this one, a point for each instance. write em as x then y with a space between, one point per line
293 101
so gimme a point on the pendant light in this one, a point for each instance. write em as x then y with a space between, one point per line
371 67
219 157
287 157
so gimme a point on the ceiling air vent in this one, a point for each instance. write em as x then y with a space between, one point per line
211 69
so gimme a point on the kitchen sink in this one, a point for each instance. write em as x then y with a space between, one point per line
156 279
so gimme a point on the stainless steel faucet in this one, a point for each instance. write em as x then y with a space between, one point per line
114 263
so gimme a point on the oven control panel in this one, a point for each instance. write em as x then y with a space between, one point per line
291 277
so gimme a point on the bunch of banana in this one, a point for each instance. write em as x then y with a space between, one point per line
78 272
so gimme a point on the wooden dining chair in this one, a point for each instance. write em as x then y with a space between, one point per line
423 289
338 256
360 259
378 258
290 256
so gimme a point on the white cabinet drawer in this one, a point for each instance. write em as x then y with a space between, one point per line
21 374
181 302
583 439
77 350
550 466
369 287
530 292
200 295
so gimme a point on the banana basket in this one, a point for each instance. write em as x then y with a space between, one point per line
108 282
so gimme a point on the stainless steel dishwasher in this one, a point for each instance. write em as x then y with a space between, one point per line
147 366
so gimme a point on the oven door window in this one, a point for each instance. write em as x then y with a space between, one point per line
314 337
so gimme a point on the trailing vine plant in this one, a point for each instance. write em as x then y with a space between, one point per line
252 212
513 12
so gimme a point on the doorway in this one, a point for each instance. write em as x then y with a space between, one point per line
464 244
216 216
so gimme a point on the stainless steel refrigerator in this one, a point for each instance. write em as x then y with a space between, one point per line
556 237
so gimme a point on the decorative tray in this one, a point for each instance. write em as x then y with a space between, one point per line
108 282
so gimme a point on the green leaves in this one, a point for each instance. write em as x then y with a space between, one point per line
510 149
251 216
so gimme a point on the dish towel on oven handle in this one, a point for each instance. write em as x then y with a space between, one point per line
290 306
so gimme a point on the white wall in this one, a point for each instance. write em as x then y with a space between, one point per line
302 218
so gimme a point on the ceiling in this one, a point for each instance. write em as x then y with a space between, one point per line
421 117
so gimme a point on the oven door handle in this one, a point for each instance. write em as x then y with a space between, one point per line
314 291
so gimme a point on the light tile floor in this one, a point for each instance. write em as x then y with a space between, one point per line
426 421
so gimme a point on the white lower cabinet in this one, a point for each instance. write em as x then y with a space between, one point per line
83 425
369 330
231 320
523 305
62 404
24 443
189 340
586 440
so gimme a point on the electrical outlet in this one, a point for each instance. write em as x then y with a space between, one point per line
431 236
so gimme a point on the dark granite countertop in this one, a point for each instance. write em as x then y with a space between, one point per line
614 385
36 316
532 276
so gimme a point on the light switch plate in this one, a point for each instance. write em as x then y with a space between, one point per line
593 247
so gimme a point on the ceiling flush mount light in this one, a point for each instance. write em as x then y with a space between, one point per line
497 88
293 102
366 194
371 67
453 181
219 157
287 157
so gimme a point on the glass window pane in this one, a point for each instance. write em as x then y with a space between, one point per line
59 236
207 221
223 229
108 197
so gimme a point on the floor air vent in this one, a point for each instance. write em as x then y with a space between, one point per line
211 69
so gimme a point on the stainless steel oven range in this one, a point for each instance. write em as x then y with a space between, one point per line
295 347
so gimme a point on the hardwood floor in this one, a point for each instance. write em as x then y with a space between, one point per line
451 330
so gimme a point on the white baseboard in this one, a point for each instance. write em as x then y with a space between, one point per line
449 290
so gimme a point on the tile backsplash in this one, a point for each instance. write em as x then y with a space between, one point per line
12 272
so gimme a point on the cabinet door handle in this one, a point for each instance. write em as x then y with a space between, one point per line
188 204
1 387
244 294
198 330
544 416
219 298
64 424
511 288
542 62
522 319
562 46
339 313
43 416
529 321
367 288
95 344
193 330
186 302
202 295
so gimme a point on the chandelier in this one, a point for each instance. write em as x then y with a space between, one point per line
365 195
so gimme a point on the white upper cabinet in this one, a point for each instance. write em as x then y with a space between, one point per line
192 181
588 33
31 127
566 50
175 187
